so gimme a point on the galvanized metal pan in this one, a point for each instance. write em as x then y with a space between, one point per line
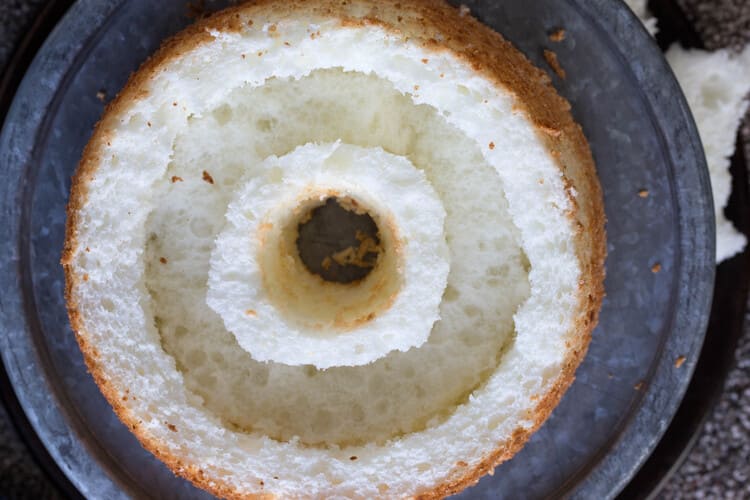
642 136
726 325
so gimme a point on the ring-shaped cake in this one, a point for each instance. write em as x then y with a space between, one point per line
514 240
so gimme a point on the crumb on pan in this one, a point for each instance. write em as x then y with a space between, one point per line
656 268
557 36
553 62
679 361
643 193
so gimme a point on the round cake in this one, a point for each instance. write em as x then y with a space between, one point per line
335 249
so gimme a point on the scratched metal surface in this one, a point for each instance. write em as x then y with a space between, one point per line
641 137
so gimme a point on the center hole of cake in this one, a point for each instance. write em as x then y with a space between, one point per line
339 241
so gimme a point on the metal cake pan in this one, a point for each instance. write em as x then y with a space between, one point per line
642 136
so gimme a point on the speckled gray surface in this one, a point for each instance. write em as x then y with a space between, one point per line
20 476
712 465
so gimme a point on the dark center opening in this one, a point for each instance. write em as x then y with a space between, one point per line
339 241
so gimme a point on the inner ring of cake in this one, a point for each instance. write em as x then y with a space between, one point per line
278 310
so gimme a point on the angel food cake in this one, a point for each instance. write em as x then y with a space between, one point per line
247 350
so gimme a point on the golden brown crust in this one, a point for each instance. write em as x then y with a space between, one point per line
424 22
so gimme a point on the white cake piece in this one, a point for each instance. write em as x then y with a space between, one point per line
716 85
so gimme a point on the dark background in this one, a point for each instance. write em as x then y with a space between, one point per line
719 464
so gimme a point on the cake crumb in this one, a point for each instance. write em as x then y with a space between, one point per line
352 256
643 193
163 260
101 95
679 361
176 178
171 427
425 61
492 145
639 386
353 457
148 123
656 268
251 312
557 36
85 277
207 177
553 62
